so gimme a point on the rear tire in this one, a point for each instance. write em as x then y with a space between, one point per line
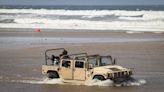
52 75
99 77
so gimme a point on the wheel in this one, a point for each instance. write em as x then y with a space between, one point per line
52 75
99 77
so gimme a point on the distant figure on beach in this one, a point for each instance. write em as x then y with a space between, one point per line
38 30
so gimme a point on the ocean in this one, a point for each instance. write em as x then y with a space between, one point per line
113 18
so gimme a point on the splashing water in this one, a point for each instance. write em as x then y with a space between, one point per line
43 81
95 82
134 82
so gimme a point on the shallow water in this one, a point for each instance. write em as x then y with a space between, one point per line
57 85
20 64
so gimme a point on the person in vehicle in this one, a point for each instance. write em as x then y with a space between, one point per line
55 59
64 55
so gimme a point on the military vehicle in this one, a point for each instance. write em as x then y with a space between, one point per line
81 67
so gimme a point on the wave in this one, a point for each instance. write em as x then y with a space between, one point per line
98 14
7 21
81 12
83 19
86 24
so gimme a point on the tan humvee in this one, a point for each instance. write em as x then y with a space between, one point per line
79 68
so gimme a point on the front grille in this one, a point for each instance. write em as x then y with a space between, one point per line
121 74
118 74
115 75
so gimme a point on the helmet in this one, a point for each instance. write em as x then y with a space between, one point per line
64 52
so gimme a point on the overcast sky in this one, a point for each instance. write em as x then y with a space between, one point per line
82 2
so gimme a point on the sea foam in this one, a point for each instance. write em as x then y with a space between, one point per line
151 21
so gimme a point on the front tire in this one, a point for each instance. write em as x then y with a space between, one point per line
99 77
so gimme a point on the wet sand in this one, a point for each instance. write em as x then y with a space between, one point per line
23 62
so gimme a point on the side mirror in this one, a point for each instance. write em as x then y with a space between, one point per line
90 66
114 61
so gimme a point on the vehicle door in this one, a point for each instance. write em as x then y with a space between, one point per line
79 70
66 69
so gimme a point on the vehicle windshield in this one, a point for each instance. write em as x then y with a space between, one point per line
100 61
105 60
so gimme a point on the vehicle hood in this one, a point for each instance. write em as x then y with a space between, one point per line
111 68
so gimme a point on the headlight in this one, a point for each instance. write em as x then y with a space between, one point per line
110 75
